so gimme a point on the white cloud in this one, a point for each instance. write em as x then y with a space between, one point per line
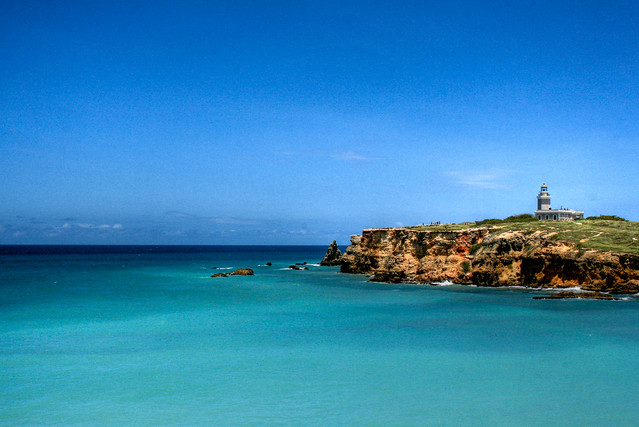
350 156
490 180
181 214
216 220
88 226
345 155
233 221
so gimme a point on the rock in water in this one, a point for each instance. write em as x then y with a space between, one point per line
333 255
243 272
580 295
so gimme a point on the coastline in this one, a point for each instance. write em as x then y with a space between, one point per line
532 258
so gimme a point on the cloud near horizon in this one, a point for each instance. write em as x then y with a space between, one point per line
215 220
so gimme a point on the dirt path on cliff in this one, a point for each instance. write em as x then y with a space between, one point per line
591 237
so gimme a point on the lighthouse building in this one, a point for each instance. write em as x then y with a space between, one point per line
544 212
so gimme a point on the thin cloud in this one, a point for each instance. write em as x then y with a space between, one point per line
179 214
343 155
215 220
490 180
352 156
92 226
233 221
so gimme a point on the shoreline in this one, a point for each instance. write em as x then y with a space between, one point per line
532 257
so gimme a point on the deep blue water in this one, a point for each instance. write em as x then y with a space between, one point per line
142 335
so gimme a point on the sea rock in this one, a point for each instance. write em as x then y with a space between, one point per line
294 267
579 295
481 256
243 272
220 275
630 287
333 255
269 263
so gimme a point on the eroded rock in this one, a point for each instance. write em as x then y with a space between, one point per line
333 255
243 272
578 295
220 275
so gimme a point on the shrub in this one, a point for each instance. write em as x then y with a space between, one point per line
465 266
521 218
514 218
608 217
491 221
474 248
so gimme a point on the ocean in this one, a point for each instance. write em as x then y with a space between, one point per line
142 335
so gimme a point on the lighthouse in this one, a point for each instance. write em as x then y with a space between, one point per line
543 199
545 212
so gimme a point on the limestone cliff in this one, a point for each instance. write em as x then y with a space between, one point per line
483 257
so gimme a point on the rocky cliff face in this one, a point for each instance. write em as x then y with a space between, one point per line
482 257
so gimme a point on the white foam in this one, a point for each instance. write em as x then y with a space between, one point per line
444 283
573 289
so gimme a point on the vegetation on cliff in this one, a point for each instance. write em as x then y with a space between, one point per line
597 254
606 233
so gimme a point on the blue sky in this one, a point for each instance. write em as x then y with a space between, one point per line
277 122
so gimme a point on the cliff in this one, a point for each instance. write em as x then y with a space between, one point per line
531 256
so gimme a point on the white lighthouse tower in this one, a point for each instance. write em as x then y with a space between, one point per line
545 212
543 199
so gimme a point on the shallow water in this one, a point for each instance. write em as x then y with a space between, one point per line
143 335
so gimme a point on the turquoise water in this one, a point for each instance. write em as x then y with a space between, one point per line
144 336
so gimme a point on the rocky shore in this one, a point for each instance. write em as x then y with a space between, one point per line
484 257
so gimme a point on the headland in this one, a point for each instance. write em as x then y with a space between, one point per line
596 254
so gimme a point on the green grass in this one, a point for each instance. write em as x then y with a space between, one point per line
604 234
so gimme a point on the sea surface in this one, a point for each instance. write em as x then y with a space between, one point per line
142 335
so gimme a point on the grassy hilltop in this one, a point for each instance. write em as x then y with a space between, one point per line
605 233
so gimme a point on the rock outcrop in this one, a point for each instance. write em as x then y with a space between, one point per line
577 295
238 272
220 275
484 257
333 255
243 272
